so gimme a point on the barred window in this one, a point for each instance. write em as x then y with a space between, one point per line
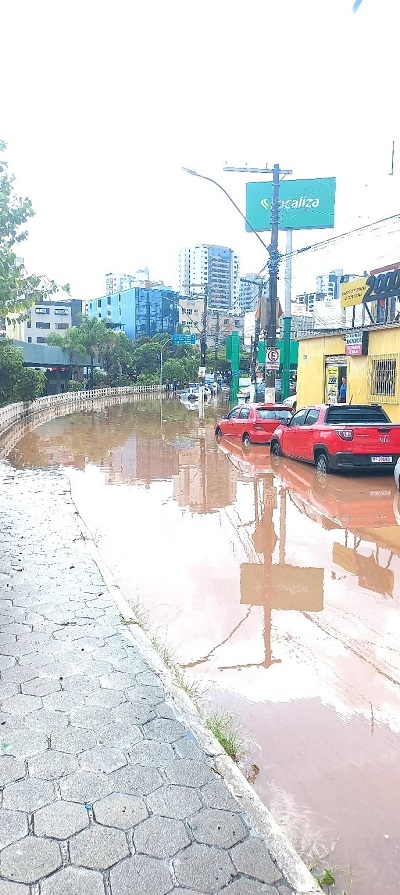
383 378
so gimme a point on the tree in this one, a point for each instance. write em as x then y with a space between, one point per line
18 383
91 339
18 291
69 341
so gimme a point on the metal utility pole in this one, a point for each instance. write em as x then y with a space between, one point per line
272 264
203 349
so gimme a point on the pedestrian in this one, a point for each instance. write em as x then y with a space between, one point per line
342 391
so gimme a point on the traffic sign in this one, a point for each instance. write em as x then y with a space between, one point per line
272 359
183 339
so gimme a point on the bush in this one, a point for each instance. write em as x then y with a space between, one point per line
74 386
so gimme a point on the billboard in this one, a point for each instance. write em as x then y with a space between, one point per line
303 204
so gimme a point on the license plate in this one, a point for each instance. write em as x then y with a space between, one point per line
382 459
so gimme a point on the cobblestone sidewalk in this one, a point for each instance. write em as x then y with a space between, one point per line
107 784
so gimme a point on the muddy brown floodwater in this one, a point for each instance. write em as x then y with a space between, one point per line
279 593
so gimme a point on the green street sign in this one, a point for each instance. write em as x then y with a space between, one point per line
303 204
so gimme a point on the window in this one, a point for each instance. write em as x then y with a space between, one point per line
99 302
312 417
29 338
353 415
61 311
383 378
62 326
244 413
41 340
109 299
29 324
234 413
42 310
41 325
298 418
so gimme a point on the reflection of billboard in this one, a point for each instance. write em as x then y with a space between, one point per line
303 204
282 587
371 576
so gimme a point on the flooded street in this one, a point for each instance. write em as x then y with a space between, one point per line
278 592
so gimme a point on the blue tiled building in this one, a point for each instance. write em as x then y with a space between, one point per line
138 311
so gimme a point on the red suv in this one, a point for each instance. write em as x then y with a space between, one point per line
253 423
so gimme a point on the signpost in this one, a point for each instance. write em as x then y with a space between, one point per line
303 204
184 339
272 359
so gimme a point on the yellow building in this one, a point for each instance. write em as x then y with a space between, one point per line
369 360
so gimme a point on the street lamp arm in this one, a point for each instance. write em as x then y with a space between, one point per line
215 182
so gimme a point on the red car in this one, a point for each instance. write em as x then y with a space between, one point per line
253 423
340 437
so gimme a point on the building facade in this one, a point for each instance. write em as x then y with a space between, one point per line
118 282
43 318
249 293
220 324
138 311
213 271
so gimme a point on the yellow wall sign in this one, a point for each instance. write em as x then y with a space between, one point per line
353 293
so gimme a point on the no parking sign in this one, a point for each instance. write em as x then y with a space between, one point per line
272 359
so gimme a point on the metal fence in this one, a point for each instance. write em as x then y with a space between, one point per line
67 402
383 374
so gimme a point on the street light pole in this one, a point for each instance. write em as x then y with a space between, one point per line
272 264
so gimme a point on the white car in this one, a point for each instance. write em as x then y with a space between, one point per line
291 401
397 473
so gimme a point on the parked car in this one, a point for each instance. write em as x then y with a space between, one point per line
397 474
340 437
291 401
253 423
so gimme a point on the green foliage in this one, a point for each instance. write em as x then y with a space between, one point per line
174 369
18 383
73 385
228 736
18 291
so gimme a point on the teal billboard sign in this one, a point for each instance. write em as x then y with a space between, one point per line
303 204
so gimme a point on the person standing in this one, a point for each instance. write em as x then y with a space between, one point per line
342 391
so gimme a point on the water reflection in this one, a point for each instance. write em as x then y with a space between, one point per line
279 589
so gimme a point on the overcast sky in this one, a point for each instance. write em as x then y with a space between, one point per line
103 102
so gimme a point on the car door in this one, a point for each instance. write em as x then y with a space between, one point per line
305 440
230 425
290 435
243 420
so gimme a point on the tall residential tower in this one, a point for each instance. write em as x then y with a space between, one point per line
213 270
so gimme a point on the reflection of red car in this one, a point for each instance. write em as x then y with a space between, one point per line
253 423
251 462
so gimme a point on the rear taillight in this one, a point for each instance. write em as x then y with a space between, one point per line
346 434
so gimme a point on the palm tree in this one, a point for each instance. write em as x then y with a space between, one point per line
91 336
69 341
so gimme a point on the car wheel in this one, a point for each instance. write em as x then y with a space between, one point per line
246 440
276 449
322 466
218 433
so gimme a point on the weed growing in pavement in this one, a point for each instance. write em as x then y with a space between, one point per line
227 735
327 876
141 618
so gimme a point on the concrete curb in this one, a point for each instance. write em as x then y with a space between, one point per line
278 845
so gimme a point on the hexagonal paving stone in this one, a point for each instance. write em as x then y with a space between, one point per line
21 705
73 881
10 769
51 765
23 742
160 837
13 826
60 820
148 679
28 795
86 786
90 717
139 875
63 701
120 810
102 758
252 857
163 730
117 680
149 753
217 795
215 827
190 773
40 686
74 740
251 887
151 695
136 780
7 888
119 735
174 801
105 699
98 848
27 860
7 690
132 713
48 722
207 869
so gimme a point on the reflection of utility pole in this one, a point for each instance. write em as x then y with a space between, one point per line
203 349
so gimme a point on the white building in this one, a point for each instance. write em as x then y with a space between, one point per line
211 270
51 316
250 291
119 282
